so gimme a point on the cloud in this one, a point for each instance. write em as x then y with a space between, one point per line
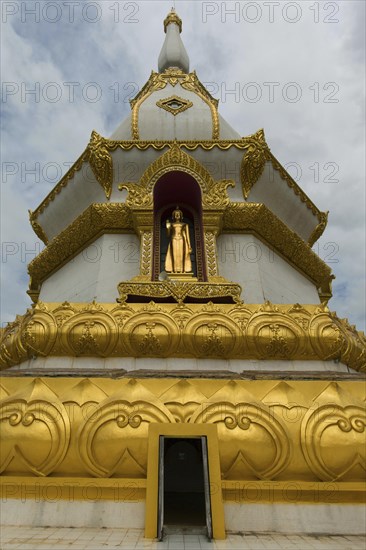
98 56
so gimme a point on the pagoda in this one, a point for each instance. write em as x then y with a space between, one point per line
179 365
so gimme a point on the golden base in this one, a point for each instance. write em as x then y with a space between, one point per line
186 277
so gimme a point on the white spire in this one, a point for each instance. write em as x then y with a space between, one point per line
173 52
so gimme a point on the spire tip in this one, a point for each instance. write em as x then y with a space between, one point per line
172 17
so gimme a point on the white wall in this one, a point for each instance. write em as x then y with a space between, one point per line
96 271
262 274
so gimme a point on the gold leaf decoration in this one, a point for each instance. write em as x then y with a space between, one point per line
237 331
174 104
210 246
138 196
151 334
120 426
253 162
259 436
180 290
90 332
270 334
35 430
297 431
37 228
101 162
182 399
319 229
333 436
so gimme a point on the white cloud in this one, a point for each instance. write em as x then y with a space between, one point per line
323 59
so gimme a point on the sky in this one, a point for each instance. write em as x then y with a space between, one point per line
296 69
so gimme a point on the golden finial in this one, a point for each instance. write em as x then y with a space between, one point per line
173 17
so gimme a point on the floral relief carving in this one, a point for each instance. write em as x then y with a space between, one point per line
333 436
236 330
114 439
261 441
99 427
35 430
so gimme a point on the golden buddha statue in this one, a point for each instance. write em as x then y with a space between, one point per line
178 258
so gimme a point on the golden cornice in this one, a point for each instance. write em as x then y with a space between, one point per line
257 218
267 430
190 82
223 331
97 219
214 193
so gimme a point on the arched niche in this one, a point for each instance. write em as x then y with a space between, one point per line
177 188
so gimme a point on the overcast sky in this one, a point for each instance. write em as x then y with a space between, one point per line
294 68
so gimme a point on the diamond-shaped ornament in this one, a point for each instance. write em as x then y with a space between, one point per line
174 104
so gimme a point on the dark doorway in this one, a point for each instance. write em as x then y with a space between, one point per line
184 499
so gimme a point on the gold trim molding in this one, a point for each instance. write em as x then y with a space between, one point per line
184 430
222 331
322 217
59 186
123 489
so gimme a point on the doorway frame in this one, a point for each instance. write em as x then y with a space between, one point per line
205 479
183 431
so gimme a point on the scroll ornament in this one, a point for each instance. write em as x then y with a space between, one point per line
245 331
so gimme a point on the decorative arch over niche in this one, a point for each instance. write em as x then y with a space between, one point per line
214 193
179 179
177 188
